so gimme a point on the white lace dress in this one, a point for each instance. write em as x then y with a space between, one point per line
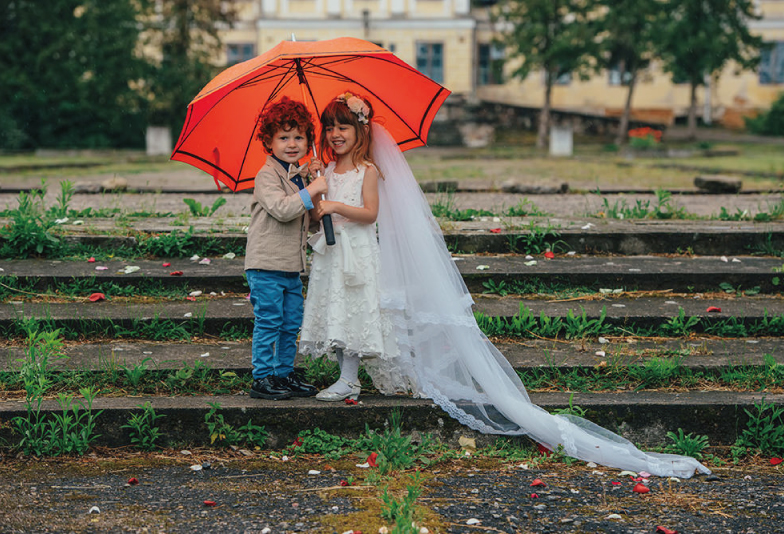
343 304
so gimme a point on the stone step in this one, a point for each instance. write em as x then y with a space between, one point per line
679 273
211 316
696 353
583 235
643 417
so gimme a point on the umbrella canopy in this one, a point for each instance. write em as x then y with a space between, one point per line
219 132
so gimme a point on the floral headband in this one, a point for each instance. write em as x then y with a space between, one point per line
356 105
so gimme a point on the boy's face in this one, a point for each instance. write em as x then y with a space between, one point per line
289 145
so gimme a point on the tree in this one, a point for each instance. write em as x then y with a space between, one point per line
68 67
181 40
630 30
702 37
557 36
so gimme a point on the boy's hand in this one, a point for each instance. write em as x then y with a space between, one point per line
317 187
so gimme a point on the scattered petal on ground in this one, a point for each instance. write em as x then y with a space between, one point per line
473 521
91 260
102 268
775 461
205 261
644 474
641 488
95 297
350 402
167 264
495 230
714 309
229 256
538 482
614 516
133 481
131 269
314 472
189 314
94 510
194 293
210 503
192 299
549 255
664 530
482 267
724 259
627 473
175 273
534 496
372 459
195 257
530 263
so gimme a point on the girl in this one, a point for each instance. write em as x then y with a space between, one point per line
401 305
343 309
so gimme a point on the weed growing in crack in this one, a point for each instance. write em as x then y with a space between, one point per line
142 428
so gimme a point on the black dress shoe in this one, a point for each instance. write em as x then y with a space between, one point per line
296 385
270 388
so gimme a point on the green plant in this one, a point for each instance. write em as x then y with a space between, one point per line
764 431
143 430
66 193
135 374
663 209
318 441
687 444
197 210
492 287
680 325
402 512
580 326
224 434
395 451
571 409
30 231
524 208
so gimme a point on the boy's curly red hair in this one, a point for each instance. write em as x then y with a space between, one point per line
284 114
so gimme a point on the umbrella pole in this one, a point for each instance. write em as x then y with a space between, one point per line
326 220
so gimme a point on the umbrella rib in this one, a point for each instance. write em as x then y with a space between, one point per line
282 82
211 164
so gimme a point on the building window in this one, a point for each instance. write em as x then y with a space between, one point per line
237 53
490 64
771 69
430 60
618 75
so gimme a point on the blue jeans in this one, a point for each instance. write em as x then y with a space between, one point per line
277 306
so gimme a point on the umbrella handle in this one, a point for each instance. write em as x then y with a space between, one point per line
326 221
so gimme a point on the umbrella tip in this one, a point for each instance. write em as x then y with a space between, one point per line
292 37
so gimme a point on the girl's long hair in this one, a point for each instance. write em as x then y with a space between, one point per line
338 112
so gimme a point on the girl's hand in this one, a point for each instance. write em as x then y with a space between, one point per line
315 167
327 207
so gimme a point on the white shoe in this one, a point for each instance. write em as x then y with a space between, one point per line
340 390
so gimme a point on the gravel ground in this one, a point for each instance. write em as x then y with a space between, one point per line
470 495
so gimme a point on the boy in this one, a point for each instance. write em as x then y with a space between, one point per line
275 254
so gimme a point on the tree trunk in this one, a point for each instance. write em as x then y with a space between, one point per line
544 116
691 129
623 127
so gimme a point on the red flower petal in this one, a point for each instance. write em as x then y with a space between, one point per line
210 503
534 496
615 483
495 230
664 530
775 461
91 260
133 481
175 273
344 483
549 255
371 460
297 442
641 488
95 297
543 450
167 264
714 309
191 298
350 401
538 482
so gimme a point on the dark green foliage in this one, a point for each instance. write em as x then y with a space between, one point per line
771 122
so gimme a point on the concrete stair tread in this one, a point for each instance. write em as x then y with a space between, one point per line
697 353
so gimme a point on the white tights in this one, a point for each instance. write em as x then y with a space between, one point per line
349 372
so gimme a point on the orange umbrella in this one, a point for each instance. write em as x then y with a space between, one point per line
219 132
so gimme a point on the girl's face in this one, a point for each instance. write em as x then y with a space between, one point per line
341 138
289 145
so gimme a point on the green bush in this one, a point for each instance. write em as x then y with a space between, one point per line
771 122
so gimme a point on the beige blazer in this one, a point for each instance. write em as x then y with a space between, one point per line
278 230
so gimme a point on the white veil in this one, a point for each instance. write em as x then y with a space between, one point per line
444 355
